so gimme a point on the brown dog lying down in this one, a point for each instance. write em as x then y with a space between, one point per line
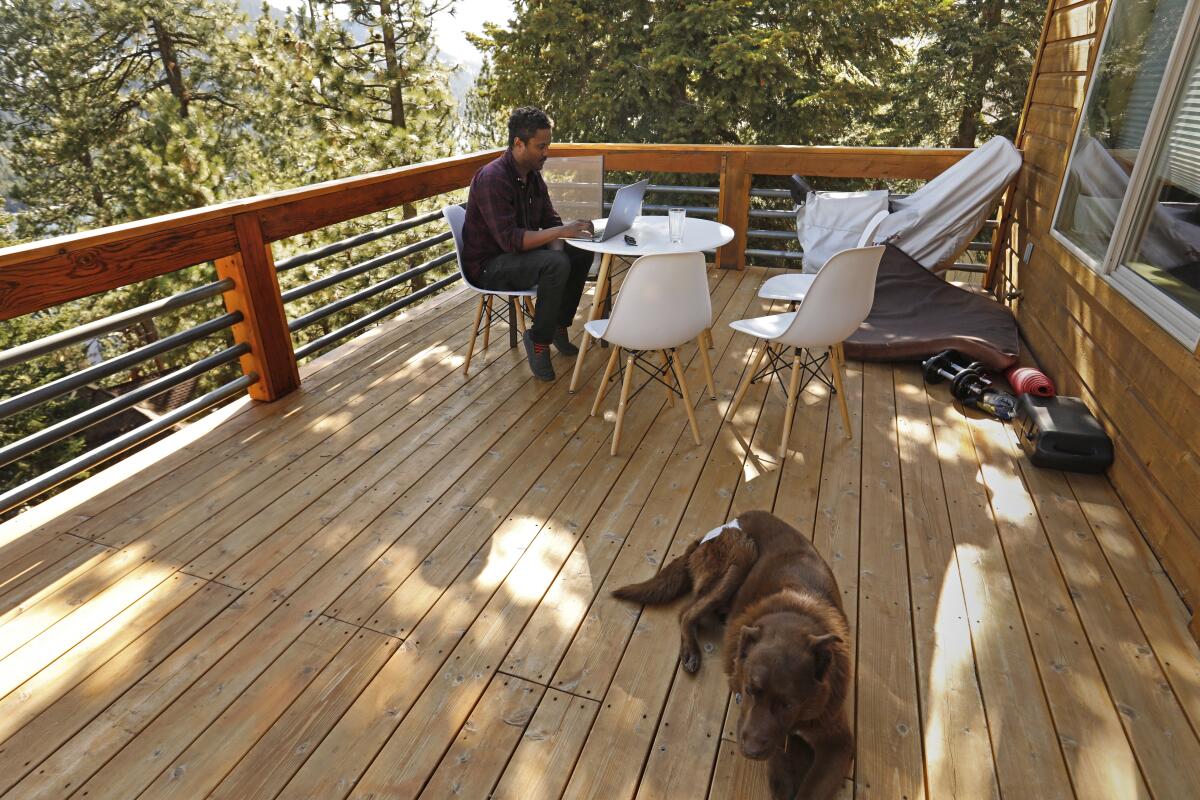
786 651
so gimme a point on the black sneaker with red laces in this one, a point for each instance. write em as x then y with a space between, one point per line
562 343
539 359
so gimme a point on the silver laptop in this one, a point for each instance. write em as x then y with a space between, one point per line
625 209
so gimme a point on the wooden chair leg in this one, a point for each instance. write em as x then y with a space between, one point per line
754 364
666 362
602 389
708 338
616 442
837 356
793 390
673 357
707 362
487 325
474 333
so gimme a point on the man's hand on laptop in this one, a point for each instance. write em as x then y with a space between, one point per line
578 229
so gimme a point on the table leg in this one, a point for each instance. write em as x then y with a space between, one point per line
597 304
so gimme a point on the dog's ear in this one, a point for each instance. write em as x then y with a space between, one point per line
822 652
746 639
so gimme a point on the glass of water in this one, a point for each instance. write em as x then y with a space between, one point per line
675 217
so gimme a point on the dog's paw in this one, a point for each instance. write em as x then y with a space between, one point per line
690 660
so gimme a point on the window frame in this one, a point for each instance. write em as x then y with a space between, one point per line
1172 316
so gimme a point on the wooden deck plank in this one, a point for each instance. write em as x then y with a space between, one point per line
280 752
247 431
26 566
588 665
337 763
292 471
35 652
684 750
958 758
580 456
414 747
60 676
1143 697
549 634
542 762
889 762
322 492
26 594
1028 757
479 754
211 756
311 579
1159 609
118 482
178 538
72 735
645 669
1097 752
387 592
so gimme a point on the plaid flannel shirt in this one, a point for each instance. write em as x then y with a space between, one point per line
500 208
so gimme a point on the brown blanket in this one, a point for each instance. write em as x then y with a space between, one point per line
917 314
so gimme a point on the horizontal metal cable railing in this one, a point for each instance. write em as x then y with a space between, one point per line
341 276
95 374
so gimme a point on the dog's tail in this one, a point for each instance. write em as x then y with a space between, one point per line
672 581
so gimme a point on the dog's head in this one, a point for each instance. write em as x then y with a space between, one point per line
782 677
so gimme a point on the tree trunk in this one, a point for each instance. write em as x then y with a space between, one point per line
983 64
392 62
170 62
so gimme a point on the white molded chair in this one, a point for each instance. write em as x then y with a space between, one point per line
839 299
663 304
520 303
792 286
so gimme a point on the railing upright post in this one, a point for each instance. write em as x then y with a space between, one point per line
734 209
256 294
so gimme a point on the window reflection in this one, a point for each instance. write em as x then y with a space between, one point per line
1165 250
1127 79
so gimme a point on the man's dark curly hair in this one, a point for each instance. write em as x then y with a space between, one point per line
525 122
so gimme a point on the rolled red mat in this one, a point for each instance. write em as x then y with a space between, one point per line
1027 380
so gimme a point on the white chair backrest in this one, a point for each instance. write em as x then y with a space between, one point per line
839 300
456 216
663 303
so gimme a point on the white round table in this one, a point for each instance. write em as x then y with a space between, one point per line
652 236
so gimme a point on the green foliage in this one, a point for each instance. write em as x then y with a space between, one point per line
112 111
765 71
967 77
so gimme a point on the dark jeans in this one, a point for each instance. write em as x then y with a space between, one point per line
559 276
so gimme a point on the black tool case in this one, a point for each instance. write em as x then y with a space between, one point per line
1061 433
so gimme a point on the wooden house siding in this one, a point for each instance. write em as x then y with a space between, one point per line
1142 383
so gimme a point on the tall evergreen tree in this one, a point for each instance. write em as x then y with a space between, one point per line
738 71
967 75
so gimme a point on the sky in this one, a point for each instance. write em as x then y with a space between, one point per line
469 16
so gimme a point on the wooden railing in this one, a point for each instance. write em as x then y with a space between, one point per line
237 236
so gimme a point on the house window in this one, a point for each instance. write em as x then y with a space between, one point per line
1130 202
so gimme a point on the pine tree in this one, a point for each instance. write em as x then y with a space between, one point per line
735 71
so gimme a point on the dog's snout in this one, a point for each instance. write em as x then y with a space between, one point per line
756 749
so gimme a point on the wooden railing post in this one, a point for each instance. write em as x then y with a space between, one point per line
734 209
256 294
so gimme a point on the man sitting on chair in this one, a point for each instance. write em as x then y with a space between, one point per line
511 238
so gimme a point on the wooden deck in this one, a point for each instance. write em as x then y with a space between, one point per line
394 583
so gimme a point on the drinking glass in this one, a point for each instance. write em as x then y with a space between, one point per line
675 217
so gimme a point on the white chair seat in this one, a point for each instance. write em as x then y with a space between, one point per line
790 287
596 328
518 293
768 327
